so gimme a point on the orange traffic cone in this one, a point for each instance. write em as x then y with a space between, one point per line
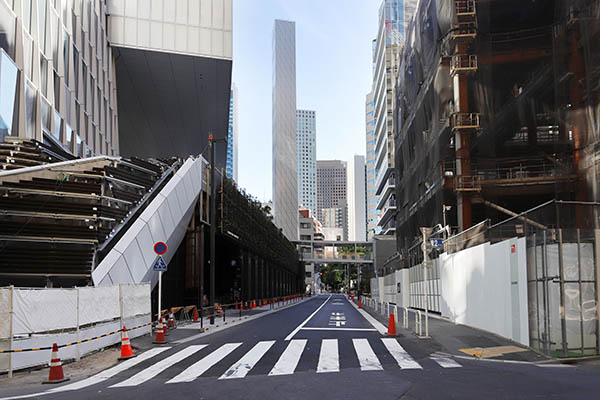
56 372
126 350
391 326
160 333
195 314
171 320
359 303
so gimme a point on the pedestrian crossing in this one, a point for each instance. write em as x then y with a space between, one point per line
372 355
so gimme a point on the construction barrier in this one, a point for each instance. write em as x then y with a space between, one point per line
82 319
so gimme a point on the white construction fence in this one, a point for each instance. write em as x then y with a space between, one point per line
483 286
35 318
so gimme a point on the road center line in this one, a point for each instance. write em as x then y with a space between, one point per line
291 335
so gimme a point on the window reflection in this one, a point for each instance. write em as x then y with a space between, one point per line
30 109
8 77
68 138
7 29
57 125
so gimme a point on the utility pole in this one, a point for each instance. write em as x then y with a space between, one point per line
426 233
213 219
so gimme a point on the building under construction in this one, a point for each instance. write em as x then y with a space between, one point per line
498 110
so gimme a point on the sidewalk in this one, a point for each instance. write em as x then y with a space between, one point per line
459 340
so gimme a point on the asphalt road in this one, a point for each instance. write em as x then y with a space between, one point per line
321 348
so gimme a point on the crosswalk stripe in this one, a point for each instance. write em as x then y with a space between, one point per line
288 361
200 367
241 368
109 373
405 361
329 357
160 366
445 362
366 356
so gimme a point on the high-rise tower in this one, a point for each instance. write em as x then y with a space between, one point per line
357 220
285 163
306 141
231 166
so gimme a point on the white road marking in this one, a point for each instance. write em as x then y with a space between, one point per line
405 361
109 373
329 357
160 366
288 361
445 362
376 324
241 368
366 356
200 367
291 335
339 329
102 376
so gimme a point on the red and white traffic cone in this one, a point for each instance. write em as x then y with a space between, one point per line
56 374
171 321
195 314
126 350
391 326
160 333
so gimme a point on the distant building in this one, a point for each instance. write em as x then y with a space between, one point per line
331 194
306 142
309 229
356 198
371 172
231 166
285 163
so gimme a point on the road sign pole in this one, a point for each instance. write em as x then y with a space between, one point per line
159 293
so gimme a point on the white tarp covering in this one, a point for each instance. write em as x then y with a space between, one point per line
4 312
135 300
98 304
43 310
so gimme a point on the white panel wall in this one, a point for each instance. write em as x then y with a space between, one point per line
484 287
164 219
196 27
477 289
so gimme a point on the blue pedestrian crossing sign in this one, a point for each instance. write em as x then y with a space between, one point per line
159 264
436 243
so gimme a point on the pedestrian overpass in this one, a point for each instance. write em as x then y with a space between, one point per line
332 252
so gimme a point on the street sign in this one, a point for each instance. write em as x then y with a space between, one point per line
160 248
436 243
159 264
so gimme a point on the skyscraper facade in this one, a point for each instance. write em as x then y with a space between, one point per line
58 75
332 205
231 166
64 66
393 18
306 142
285 162
356 198
372 213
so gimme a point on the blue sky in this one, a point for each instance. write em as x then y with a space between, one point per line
333 76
